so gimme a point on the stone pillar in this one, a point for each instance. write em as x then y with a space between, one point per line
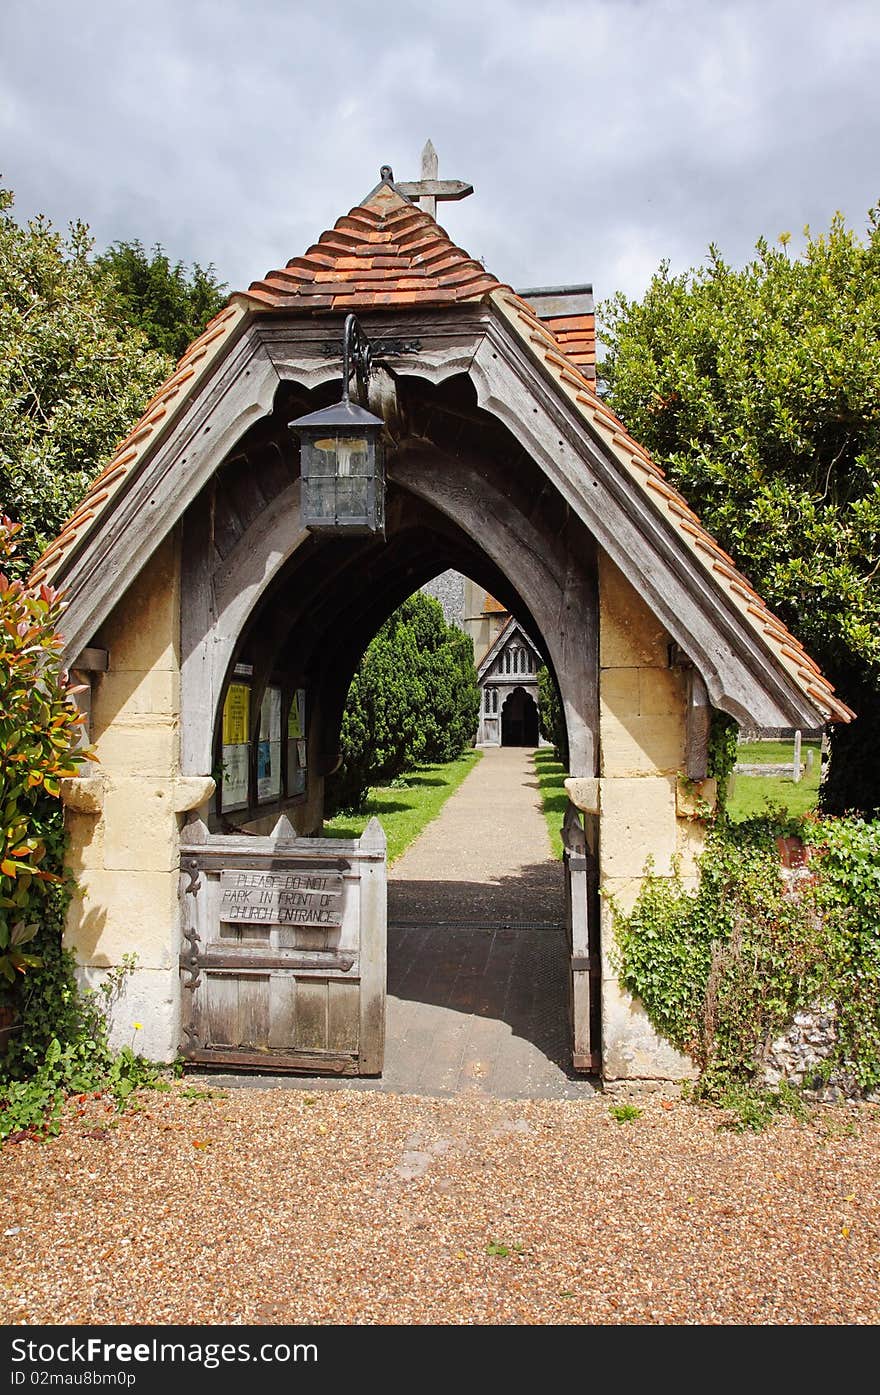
124 814
642 805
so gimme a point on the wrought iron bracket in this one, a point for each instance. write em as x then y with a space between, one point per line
357 354
190 962
381 348
190 867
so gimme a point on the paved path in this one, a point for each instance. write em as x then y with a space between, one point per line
477 962
487 858
477 967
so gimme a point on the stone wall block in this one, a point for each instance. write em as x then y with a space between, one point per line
625 891
84 793
641 745
630 636
123 694
637 821
148 746
86 834
146 1013
141 828
122 912
662 693
143 631
619 692
632 1050
694 799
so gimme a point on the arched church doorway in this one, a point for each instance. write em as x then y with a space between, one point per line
519 720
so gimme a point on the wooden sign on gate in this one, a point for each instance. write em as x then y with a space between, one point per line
281 898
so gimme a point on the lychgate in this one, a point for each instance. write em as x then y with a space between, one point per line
218 621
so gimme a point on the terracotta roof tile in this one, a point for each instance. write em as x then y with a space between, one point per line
577 336
571 379
574 333
384 252
493 607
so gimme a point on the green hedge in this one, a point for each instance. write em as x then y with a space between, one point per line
414 700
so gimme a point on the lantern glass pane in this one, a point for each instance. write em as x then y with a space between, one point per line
322 497
343 485
324 454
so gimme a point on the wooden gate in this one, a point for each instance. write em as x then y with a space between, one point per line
283 967
580 923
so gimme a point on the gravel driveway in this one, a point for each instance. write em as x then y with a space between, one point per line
300 1205
288 1207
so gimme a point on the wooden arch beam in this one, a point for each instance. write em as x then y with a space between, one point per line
553 591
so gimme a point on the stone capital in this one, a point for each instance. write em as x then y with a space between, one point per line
191 792
583 791
84 793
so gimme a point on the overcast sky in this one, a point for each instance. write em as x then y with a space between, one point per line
601 136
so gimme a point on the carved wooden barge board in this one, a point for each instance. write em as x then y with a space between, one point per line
742 675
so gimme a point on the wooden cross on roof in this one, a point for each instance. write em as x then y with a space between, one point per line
429 190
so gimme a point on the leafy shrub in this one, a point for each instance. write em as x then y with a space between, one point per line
45 1001
451 704
77 1062
73 374
723 734
752 1111
847 856
757 388
551 716
168 302
40 732
413 700
60 1043
722 970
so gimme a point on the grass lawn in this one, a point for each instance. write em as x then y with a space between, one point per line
405 807
553 796
750 794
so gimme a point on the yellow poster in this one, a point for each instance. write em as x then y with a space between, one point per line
296 720
236 714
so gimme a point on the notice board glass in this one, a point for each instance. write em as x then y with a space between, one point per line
236 747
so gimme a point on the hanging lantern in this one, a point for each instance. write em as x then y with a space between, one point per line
341 469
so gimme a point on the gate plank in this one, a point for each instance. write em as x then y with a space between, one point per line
311 1014
373 944
282 1011
344 1016
577 903
253 1010
221 1009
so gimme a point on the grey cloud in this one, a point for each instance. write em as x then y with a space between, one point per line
600 136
